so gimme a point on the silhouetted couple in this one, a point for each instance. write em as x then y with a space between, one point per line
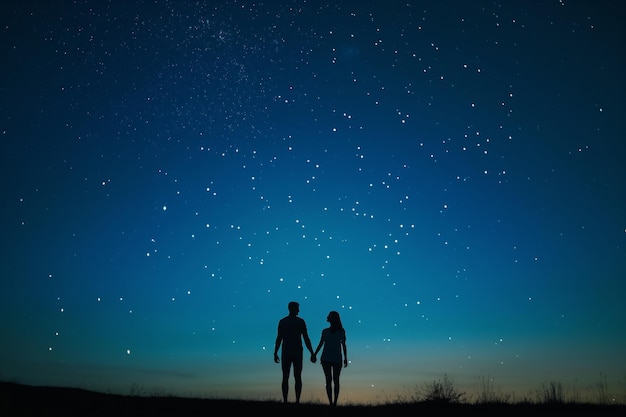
291 331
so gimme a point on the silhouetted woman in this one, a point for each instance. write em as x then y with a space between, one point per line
334 341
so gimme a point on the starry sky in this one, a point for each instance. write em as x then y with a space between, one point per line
448 175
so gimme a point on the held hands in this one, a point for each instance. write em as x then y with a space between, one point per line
313 357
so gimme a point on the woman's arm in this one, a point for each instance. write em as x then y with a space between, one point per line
319 346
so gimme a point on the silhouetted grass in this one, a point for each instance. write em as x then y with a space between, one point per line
442 398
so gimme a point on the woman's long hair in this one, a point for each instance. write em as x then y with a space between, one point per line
335 321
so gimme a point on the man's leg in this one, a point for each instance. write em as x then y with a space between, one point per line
297 374
285 386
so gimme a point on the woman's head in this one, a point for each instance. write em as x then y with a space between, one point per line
334 319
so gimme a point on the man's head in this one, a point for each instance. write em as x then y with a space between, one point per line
294 308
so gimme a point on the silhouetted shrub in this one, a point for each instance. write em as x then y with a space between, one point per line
443 391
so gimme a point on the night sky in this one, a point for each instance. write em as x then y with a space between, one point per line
448 175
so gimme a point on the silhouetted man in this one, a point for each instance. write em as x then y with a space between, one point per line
291 331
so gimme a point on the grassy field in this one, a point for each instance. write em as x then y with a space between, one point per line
23 400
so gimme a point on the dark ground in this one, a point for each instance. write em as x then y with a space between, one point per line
23 400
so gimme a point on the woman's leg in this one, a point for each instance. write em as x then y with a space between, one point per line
327 367
336 369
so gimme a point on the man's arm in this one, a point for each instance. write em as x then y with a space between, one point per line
307 341
345 350
279 339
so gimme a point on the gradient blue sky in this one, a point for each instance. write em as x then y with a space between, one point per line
448 175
